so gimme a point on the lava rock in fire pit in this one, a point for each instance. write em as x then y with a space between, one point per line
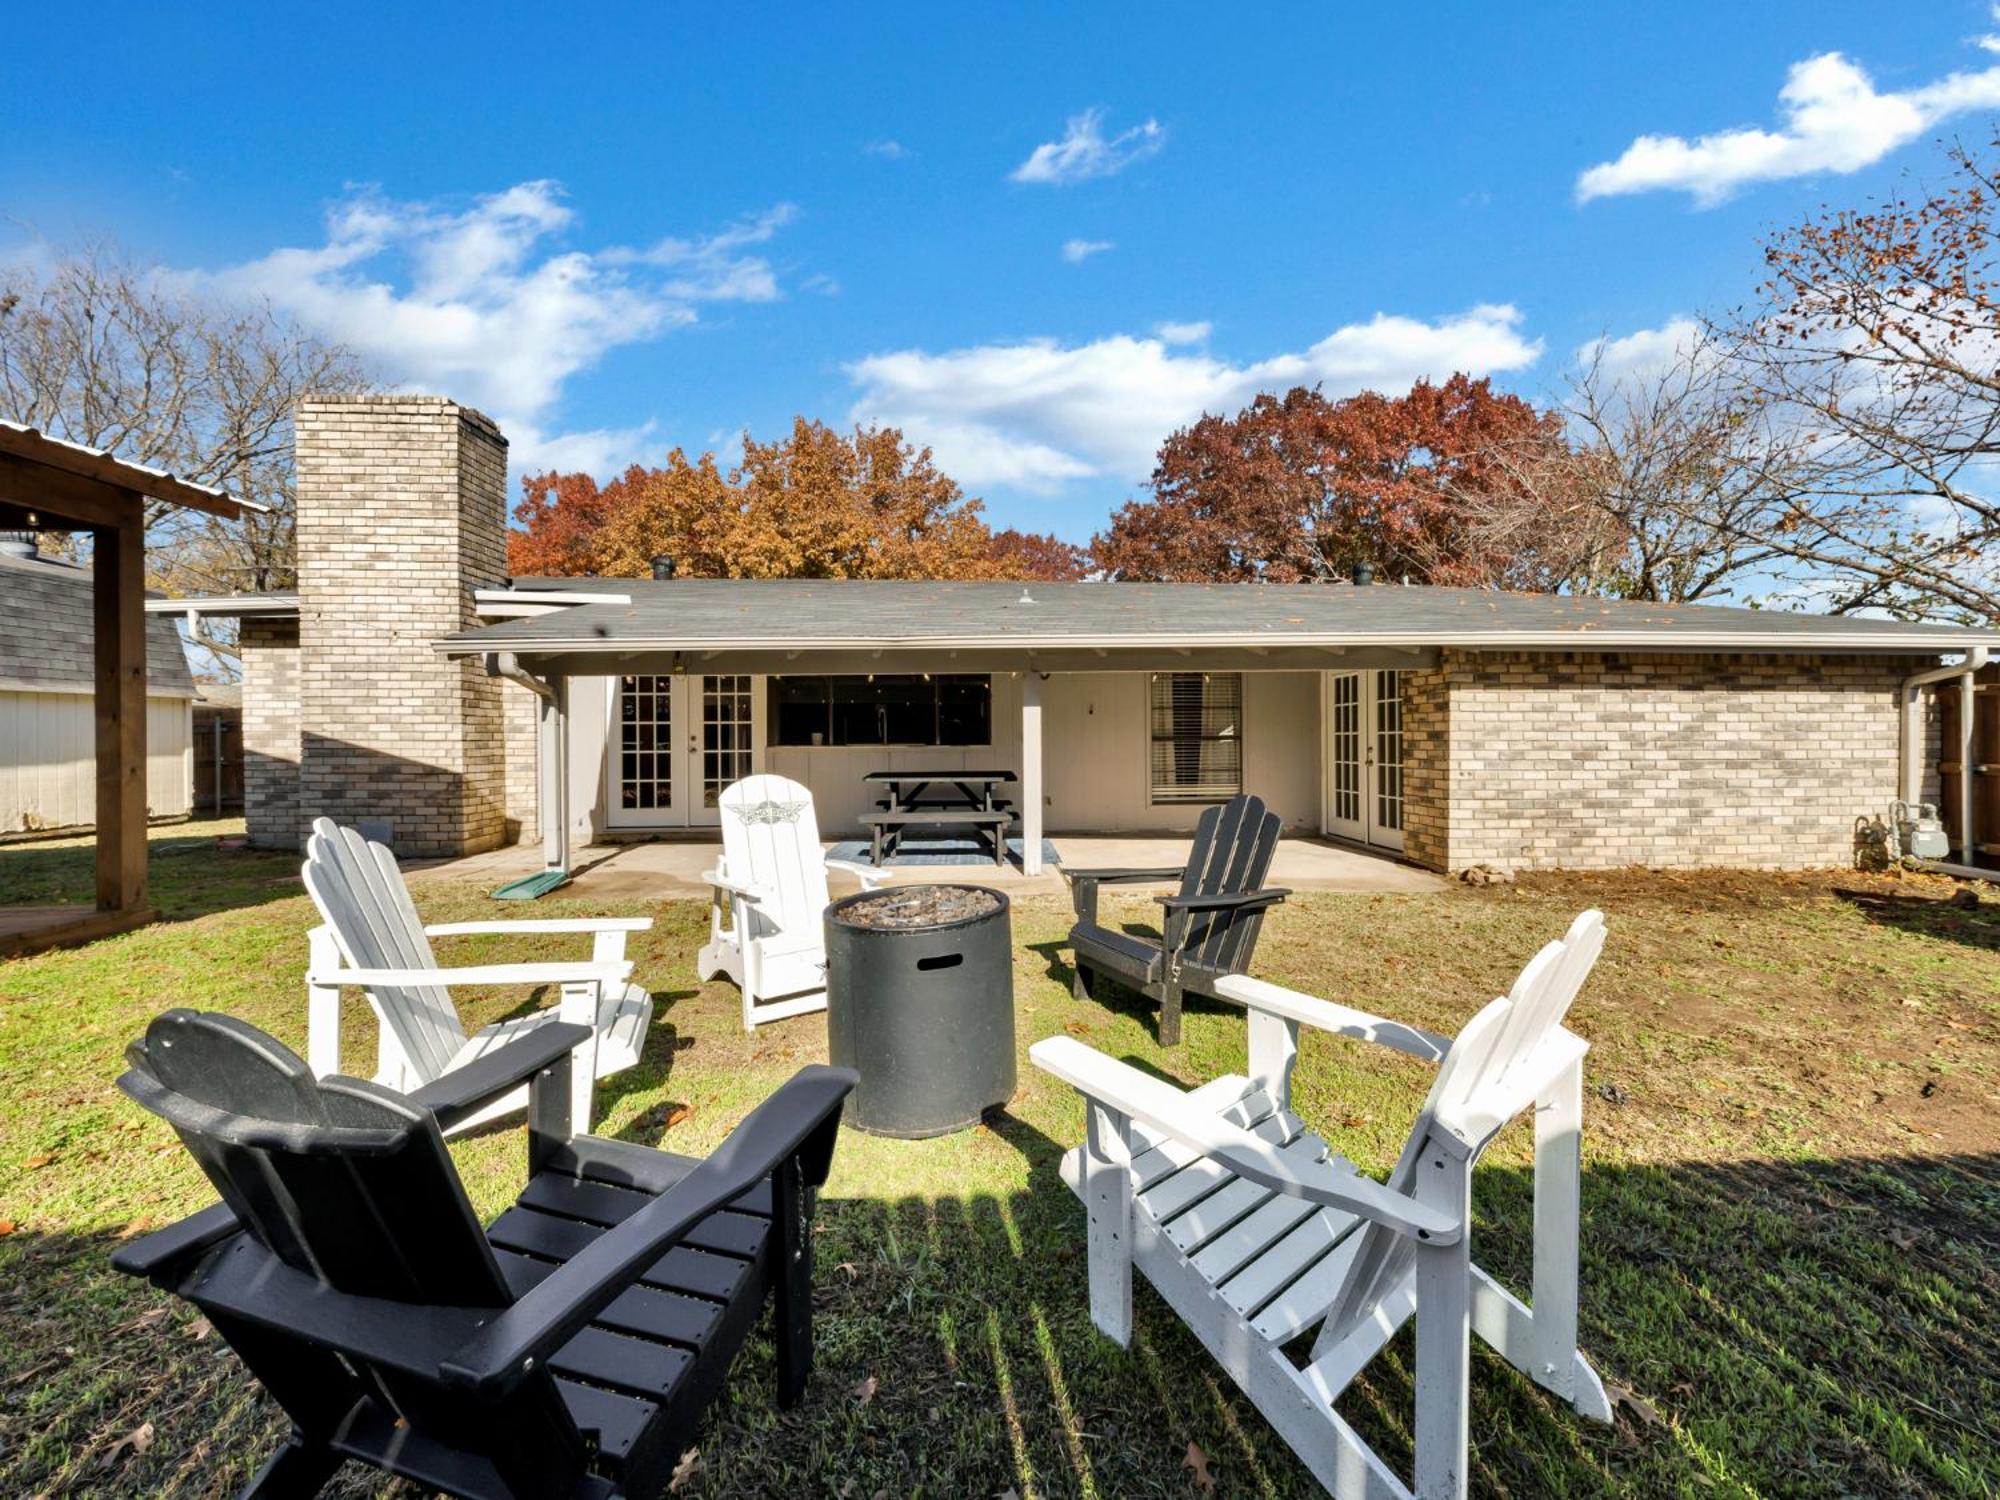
922 906
920 1001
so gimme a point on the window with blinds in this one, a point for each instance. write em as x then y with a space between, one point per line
1197 736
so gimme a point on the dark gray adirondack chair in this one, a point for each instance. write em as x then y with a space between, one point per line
566 1353
1210 925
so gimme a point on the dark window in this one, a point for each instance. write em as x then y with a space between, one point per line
886 709
1197 736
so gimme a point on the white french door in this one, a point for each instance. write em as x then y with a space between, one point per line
1364 757
675 743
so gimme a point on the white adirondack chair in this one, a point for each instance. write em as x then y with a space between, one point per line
1255 1233
768 894
374 941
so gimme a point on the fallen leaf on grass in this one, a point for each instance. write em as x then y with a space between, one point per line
1632 1401
684 1471
1902 1239
39 1160
200 1329
138 1440
853 1272
6 1228
1198 1461
1354 1122
674 1115
864 1391
145 1319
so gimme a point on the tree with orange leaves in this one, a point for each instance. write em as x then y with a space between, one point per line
816 504
1298 487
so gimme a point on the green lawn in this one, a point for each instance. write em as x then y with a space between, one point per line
1791 1251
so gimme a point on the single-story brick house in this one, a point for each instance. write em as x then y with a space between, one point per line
411 681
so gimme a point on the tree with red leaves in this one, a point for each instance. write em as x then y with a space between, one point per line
1298 487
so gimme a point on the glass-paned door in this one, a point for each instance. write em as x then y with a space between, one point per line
1364 757
676 742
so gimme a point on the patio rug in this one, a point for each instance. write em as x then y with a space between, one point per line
938 851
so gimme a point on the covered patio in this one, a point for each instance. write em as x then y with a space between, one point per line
48 485
634 870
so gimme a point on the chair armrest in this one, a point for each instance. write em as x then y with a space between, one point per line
1140 1096
522 1337
545 973
545 925
162 1254
1324 1015
869 877
463 1090
1224 900
740 888
1124 875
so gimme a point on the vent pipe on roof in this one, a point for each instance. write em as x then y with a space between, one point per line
664 568
1364 573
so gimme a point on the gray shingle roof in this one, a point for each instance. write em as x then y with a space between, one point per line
46 631
811 614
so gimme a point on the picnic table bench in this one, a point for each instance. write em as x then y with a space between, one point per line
938 799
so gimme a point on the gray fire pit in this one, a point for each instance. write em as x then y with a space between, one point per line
920 1000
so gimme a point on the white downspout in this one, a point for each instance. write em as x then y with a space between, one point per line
1913 751
552 757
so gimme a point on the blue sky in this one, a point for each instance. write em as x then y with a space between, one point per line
658 226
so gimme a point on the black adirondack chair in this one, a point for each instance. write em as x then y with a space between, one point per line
566 1353
1209 926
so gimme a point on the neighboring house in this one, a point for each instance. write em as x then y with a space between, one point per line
1452 727
48 745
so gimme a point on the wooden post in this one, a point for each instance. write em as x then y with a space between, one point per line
1031 773
118 569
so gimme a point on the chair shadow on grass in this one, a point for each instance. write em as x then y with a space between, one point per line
1929 916
1121 999
1819 1328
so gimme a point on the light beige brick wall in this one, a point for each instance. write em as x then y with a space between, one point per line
1426 769
402 515
270 655
520 713
1585 761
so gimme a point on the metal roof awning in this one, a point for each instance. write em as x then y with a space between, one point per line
798 625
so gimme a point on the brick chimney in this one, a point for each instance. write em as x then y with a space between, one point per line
401 516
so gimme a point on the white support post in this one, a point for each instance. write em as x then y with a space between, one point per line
552 766
1107 1198
1968 703
1031 773
1558 1220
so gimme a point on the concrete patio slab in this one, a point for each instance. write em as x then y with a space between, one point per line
673 868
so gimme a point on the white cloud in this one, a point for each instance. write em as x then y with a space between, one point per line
1078 251
1646 352
1183 333
1834 120
1085 151
1037 414
888 150
599 451
485 304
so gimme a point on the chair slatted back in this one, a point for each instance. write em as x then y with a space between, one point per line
1482 1082
361 896
1233 847
770 838
344 1181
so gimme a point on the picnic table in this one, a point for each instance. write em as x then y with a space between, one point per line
937 799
